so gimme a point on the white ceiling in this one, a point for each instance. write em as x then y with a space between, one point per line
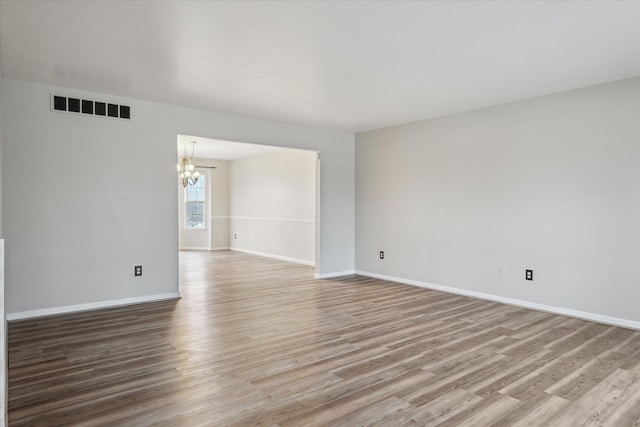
207 148
350 65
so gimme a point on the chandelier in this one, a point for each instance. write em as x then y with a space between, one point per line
187 173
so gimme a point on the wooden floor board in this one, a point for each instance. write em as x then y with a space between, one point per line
256 341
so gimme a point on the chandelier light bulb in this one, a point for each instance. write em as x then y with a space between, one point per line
187 173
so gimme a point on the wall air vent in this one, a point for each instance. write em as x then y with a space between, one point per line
67 104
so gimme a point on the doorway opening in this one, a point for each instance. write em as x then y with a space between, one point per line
258 199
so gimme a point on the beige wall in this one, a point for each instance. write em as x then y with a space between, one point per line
550 184
273 204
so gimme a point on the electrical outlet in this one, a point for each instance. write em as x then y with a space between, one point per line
235 236
528 274
503 271
137 270
381 254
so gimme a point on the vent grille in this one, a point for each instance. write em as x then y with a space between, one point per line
92 108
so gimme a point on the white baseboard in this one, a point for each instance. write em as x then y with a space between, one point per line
90 306
278 257
3 343
334 274
198 248
594 317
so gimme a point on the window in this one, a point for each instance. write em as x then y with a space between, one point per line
194 205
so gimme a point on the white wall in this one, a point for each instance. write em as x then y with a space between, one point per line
272 204
219 185
102 194
3 318
550 184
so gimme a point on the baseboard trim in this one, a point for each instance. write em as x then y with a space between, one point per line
3 343
278 257
197 248
90 306
334 274
594 317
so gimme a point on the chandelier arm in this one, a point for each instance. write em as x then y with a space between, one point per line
186 172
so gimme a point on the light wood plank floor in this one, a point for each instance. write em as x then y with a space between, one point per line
256 341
